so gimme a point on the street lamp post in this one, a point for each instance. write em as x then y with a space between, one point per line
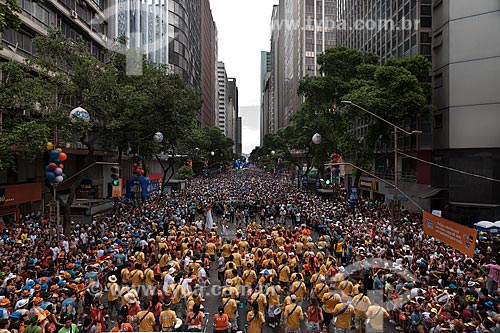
396 205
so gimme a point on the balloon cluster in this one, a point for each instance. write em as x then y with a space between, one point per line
54 170
335 158
138 165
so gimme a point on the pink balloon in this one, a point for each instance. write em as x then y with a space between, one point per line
59 179
58 171
52 166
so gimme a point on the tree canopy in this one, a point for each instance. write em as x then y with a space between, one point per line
397 91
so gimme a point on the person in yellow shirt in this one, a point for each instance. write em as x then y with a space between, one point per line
273 295
231 309
255 319
344 312
293 316
139 257
137 276
375 315
113 294
125 274
284 273
149 277
299 289
345 286
249 275
292 263
163 258
146 320
330 300
360 302
320 288
259 298
211 248
235 294
176 293
167 319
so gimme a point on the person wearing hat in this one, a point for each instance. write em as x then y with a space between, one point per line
233 291
113 295
293 315
4 304
168 318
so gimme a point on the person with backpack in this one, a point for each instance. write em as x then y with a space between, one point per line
293 316
255 319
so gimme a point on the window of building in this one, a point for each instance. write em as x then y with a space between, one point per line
438 80
21 41
426 22
438 121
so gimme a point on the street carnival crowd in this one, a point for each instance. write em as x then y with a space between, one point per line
276 258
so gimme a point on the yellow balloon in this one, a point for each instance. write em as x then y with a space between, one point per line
59 150
50 146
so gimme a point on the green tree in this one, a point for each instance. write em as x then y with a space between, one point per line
398 90
125 111
185 173
9 18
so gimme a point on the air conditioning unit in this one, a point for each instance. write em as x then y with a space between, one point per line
74 14
26 113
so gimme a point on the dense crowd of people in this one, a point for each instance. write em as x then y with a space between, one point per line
275 257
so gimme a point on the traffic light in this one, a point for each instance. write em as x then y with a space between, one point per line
115 176
327 182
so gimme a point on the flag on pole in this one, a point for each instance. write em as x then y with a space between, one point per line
209 221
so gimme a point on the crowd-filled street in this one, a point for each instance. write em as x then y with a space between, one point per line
245 251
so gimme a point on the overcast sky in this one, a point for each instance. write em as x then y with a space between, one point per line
243 32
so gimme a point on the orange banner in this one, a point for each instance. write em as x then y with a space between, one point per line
460 237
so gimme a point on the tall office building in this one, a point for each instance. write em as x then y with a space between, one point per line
232 115
300 31
145 24
208 65
386 28
393 29
222 123
266 105
466 79
74 18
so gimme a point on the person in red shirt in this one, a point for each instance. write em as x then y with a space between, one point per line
221 321
315 316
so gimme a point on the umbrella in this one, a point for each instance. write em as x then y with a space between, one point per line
265 272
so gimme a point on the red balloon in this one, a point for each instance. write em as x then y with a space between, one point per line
52 166
63 156
61 166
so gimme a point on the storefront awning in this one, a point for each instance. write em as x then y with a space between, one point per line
429 193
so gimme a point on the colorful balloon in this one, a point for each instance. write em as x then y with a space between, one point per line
58 171
59 150
50 146
50 175
54 155
59 179
61 166
52 166
63 156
